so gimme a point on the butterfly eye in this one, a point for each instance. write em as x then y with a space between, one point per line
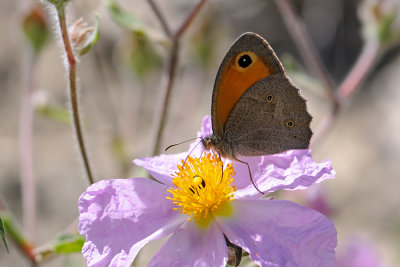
289 123
244 61
269 98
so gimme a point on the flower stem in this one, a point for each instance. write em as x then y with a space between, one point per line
25 142
366 60
310 56
161 18
71 67
165 95
165 91
364 64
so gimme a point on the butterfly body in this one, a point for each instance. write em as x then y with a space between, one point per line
256 109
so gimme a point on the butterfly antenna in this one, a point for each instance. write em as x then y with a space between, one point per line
180 143
251 177
187 157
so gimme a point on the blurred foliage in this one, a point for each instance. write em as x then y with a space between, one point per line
381 18
204 40
16 234
69 243
35 28
119 149
3 234
56 113
388 32
126 20
143 56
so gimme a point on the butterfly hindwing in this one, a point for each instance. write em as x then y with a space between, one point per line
270 117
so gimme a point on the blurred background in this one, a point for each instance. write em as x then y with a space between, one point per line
120 81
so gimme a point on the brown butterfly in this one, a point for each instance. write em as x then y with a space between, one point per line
256 109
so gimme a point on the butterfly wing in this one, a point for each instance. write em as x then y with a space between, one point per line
236 75
270 117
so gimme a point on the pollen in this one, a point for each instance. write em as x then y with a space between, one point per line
203 188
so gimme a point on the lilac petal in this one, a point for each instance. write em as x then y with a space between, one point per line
118 217
161 167
206 127
290 170
196 149
359 252
281 233
192 246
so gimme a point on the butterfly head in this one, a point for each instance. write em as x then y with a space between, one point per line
218 145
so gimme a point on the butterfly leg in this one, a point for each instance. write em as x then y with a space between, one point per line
222 169
251 177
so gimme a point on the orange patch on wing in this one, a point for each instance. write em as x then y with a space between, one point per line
234 82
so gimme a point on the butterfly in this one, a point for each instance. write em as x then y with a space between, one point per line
256 109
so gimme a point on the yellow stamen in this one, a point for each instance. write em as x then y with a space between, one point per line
203 188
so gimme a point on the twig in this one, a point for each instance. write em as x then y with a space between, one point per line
310 56
161 18
189 19
365 61
165 91
363 65
306 47
73 89
25 142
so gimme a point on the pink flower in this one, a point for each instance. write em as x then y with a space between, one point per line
203 201
359 252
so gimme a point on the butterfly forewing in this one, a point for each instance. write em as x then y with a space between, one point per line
233 78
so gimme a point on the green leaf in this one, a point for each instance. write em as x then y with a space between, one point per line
54 112
126 19
35 28
3 234
143 56
93 38
69 243
385 27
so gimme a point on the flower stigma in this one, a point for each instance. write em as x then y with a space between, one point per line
203 188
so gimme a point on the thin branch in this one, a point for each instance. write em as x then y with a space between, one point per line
161 18
306 47
165 90
311 57
365 62
25 142
189 19
165 93
73 90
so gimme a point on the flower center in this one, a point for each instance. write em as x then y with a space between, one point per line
203 188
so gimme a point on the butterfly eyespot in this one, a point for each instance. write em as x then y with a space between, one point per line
244 61
289 123
269 98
